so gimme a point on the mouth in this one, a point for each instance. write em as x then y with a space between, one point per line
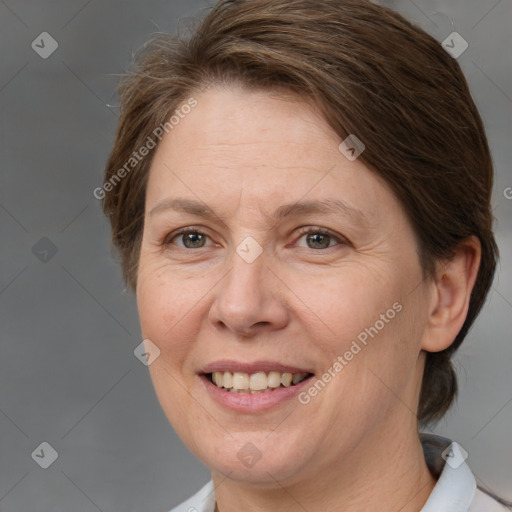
255 387
257 382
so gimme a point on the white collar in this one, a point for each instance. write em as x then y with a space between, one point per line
454 491
456 485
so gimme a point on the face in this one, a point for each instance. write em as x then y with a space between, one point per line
266 252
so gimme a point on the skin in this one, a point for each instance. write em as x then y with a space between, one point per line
354 446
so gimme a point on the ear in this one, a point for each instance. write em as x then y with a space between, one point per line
452 288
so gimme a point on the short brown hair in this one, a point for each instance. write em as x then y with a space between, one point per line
372 73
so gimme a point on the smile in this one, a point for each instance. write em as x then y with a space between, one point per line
253 388
254 383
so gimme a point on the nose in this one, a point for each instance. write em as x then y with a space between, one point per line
249 300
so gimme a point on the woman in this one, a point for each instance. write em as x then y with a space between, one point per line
300 197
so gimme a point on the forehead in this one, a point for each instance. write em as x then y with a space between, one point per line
235 123
267 146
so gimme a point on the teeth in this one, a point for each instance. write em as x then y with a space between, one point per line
274 379
296 378
286 379
240 380
259 382
218 378
227 380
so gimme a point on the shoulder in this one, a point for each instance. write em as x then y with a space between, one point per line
482 502
202 501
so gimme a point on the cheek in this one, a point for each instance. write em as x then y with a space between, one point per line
349 307
382 376
168 310
153 302
168 318
374 323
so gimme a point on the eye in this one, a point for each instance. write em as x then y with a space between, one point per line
320 238
190 238
315 238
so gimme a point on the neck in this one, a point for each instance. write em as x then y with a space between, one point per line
386 473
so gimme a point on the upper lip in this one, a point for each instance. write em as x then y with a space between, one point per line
227 365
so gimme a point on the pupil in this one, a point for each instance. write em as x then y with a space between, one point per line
195 239
318 238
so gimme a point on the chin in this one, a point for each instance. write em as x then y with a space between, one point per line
256 458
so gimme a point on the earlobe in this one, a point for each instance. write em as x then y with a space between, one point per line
452 288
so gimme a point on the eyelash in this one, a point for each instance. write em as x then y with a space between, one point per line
323 231
304 231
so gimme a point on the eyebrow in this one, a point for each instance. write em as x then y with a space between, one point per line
326 206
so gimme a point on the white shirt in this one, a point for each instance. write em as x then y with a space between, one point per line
455 490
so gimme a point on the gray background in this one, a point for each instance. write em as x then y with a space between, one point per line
68 375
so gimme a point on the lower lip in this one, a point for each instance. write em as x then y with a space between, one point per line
258 402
